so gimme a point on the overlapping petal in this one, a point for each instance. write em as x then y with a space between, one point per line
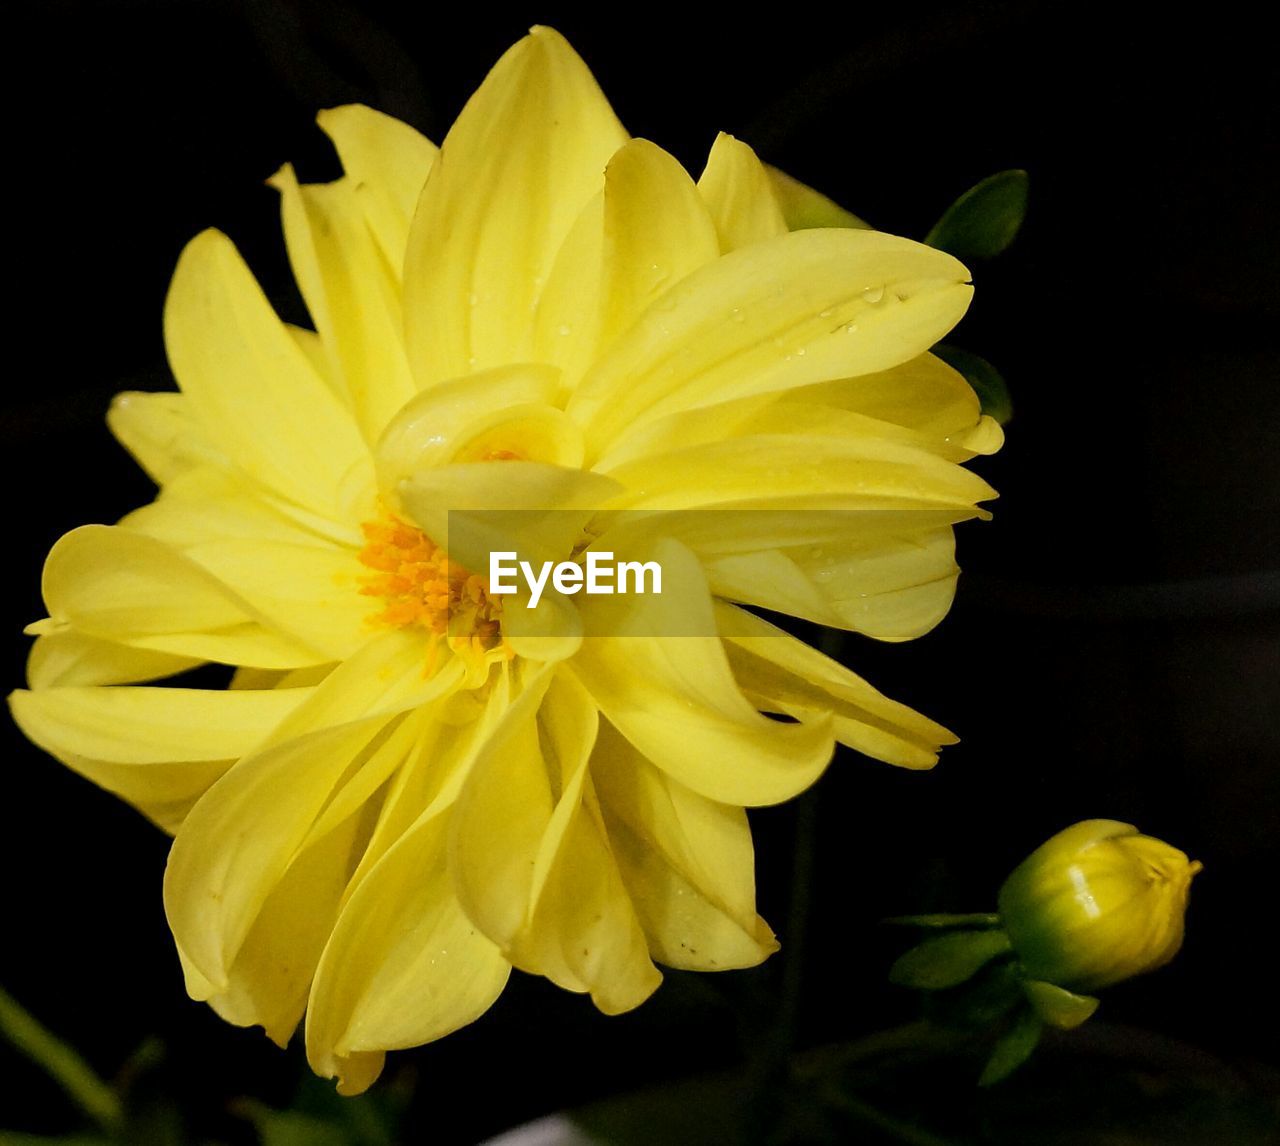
544 338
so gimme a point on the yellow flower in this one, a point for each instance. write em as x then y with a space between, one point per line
411 784
1095 904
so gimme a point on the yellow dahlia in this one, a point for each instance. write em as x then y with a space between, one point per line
414 784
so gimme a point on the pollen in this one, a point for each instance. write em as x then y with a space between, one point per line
419 587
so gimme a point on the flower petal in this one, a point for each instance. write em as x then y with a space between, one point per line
754 470
566 324
252 387
740 195
162 433
520 163
925 395
502 812
687 862
350 293
803 207
784 675
432 428
117 585
403 966
158 748
269 981
240 837
788 312
657 231
476 508
673 696
893 585
388 162
530 859
69 658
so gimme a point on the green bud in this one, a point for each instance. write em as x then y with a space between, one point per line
1097 903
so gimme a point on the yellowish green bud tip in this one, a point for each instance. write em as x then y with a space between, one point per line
1097 903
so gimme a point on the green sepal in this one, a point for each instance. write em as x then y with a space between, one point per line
1013 1048
948 960
987 383
985 219
1056 1005
942 922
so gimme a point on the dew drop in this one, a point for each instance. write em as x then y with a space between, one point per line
565 330
851 328
873 294
737 315
825 313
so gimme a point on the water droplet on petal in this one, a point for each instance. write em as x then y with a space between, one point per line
873 294
565 329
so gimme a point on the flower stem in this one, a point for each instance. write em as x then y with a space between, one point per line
61 1062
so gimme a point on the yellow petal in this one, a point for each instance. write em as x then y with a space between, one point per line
253 389
271 976
432 776
121 586
673 696
530 860
687 862
827 473
581 931
240 837
787 312
311 592
566 325
162 433
893 585
158 748
657 232
441 424
388 163
350 293
502 812
69 658
740 195
532 508
925 395
206 505
803 207
520 163
786 676
404 965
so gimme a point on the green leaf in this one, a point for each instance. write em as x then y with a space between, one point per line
985 379
1057 1006
1013 1048
62 1062
18 1138
942 922
948 960
985 219
291 1128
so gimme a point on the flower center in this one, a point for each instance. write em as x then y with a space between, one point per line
421 588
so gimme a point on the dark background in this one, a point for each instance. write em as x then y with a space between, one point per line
1115 645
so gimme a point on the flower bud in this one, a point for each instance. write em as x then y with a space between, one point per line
1095 904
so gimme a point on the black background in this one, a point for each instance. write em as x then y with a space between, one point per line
1115 646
